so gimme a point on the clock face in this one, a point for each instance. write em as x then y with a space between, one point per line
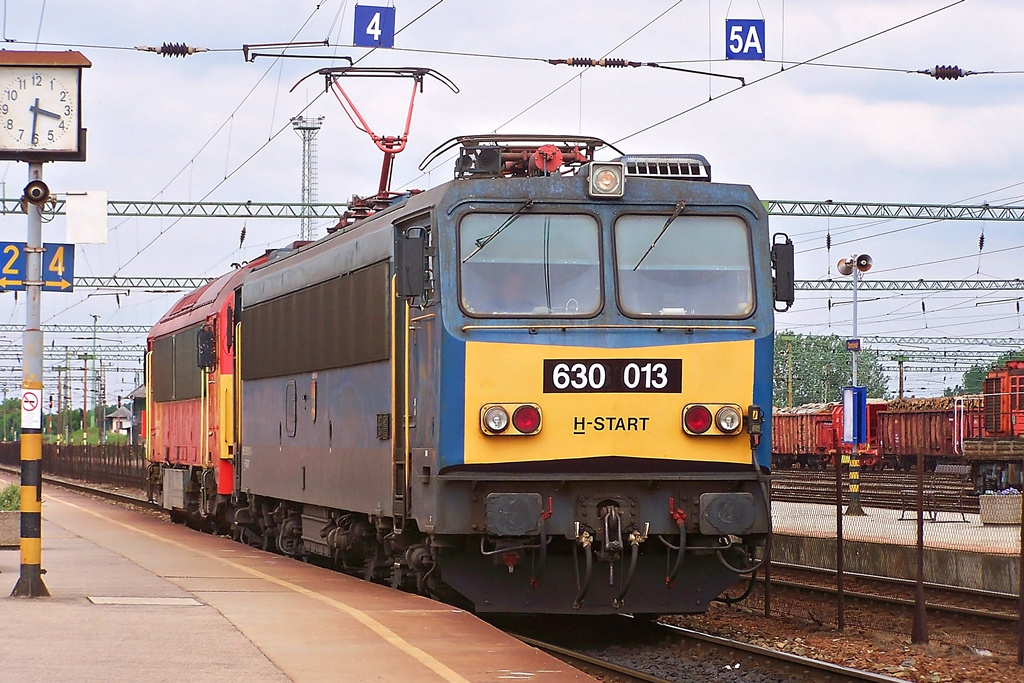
39 109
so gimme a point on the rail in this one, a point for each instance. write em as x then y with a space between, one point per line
946 492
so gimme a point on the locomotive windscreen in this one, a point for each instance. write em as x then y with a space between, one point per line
696 266
530 264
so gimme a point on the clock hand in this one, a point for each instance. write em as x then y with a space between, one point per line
36 109
35 117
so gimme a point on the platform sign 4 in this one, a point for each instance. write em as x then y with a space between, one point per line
374 26
58 267
744 39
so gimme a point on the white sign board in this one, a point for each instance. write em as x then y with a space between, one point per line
31 409
87 217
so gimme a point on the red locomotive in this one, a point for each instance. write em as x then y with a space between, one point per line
996 456
190 403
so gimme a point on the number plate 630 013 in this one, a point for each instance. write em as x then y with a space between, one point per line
613 375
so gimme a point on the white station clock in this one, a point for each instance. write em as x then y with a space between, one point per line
40 106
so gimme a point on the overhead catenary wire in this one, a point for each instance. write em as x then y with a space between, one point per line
226 121
837 231
635 33
798 64
189 164
264 145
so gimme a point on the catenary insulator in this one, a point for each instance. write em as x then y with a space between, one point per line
946 72
615 63
172 49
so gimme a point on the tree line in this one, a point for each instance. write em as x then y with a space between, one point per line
814 369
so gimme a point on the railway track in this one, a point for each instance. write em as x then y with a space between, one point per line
630 650
882 589
625 649
947 493
952 600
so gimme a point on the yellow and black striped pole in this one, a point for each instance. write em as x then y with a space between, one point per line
854 509
30 584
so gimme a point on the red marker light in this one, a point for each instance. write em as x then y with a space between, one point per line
526 419
697 419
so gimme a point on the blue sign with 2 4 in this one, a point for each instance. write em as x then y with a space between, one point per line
58 267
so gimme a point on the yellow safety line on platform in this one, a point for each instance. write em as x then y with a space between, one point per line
362 617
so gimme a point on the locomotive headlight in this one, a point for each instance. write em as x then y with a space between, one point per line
728 419
696 419
526 419
496 419
607 179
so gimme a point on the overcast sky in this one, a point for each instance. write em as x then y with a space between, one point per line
213 126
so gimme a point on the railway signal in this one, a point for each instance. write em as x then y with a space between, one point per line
855 265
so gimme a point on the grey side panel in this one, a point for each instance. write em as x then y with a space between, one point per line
334 324
336 461
324 261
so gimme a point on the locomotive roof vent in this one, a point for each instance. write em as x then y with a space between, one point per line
673 166
500 155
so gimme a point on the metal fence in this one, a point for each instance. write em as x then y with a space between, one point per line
926 544
113 464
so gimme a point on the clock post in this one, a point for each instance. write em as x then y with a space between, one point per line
40 121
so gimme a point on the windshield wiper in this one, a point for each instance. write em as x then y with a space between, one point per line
675 214
484 241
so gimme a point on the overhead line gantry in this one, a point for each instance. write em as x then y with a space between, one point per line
167 285
775 207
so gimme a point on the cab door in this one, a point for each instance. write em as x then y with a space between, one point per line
411 294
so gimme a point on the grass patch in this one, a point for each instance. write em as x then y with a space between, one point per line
10 497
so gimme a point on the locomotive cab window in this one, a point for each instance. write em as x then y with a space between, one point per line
530 265
695 266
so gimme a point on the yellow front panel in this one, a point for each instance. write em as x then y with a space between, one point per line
640 425
226 388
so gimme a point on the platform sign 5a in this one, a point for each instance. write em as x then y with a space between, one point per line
374 26
744 39
58 267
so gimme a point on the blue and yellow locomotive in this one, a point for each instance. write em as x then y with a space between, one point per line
543 386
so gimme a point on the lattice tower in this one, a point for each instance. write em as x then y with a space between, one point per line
307 128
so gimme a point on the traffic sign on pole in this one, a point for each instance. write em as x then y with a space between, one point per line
58 267
31 410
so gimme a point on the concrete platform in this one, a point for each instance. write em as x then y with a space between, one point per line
957 553
136 598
